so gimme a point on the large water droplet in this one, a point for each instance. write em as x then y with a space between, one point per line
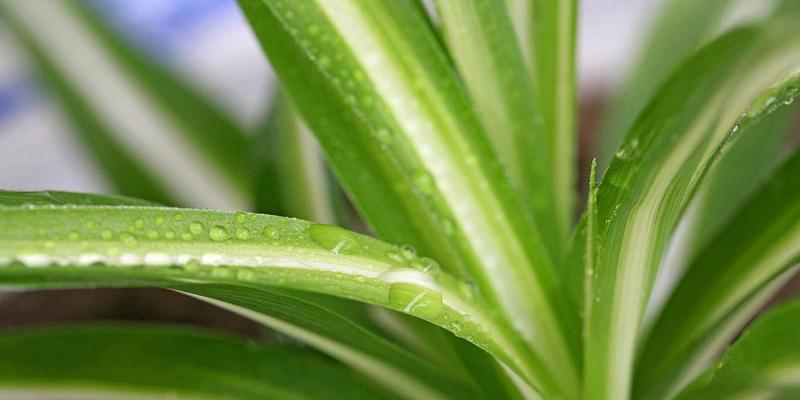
416 300
333 238
218 233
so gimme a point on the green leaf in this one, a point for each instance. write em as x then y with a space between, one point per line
481 40
656 170
547 33
681 26
762 364
157 362
730 279
94 245
179 145
400 134
293 178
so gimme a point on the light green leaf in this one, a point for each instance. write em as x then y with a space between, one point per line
547 33
293 178
139 362
481 40
177 141
730 280
78 245
655 172
763 364
382 98
681 26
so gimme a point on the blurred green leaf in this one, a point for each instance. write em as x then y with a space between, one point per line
158 362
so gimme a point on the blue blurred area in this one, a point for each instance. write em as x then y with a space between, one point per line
159 27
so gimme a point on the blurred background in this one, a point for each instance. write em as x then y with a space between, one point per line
208 43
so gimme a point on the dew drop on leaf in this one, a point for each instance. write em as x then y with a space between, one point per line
333 238
218 233
243 233
196 228
240 217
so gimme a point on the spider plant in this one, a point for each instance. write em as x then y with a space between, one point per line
451 129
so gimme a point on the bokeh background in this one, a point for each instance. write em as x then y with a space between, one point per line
209 43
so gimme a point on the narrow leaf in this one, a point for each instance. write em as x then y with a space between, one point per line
293 178
156 362
482 42
655 172
762 364
547 35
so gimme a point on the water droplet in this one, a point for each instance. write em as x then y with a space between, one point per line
169 235
243 234
196 228
128 239
159 220
395 256
178 216
333 238
218 233
416 300
187 236
468 289
408 252
221 272
427 265
90 224
192 266
152 234
271 232
138 222
240 217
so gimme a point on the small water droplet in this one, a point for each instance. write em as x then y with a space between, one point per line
169 235
90 224
128 239
107 234
427 265
271 232
138 222
196 228
243 233
240 217
178 216
408 252
218 233
159 220
395 256
152 234
187 236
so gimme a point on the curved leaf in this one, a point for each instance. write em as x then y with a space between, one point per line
380 95
655 172
763 364
138 362
680 28
729 280
44 245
